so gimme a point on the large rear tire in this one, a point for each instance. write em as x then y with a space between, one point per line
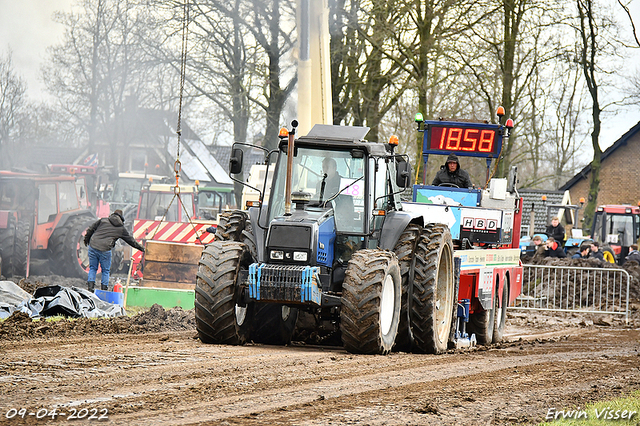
68 256
20 255
7 243
608 254
433 295
273 323
371 294
219 319
404 250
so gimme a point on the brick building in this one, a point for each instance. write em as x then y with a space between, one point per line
619 173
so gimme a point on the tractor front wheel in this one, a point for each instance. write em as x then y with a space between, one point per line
371 294
219 319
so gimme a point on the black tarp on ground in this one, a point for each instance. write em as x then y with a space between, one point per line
55 300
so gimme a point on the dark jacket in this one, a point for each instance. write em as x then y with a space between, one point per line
459 177
556 250
104 233
634 255
557 232
597 255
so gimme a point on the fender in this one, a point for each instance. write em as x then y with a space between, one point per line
394 224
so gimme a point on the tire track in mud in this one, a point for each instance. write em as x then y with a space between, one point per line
293 397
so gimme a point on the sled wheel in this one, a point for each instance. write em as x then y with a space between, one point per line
371 294
433 295
500 312
218 318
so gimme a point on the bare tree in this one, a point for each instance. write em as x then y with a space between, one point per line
100 64
12 109
588 55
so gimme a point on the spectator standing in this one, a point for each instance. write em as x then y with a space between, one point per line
583 252
556 230
634 254
596 253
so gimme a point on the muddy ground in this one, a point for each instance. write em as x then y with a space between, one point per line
152 369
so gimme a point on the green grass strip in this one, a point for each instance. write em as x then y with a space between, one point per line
621 411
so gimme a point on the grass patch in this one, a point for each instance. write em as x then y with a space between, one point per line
599 413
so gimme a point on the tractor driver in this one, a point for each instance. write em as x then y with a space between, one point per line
450 174
330 179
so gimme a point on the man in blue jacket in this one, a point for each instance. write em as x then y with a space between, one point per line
101 237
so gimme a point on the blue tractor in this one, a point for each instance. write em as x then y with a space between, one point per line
329 240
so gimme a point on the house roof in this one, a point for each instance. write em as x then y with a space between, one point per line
195 159
532 198
582 174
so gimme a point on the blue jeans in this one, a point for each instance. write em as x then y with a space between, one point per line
103 258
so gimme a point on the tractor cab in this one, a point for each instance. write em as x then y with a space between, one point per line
341 188
617 226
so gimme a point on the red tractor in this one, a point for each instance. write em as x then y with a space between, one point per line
41 218
615 227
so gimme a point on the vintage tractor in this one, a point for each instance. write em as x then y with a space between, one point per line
349 254
41 218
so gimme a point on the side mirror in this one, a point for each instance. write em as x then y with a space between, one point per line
403 173
235 162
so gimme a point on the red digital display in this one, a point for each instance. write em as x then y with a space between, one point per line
464 140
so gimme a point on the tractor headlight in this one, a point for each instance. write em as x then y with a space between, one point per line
300 256
277 254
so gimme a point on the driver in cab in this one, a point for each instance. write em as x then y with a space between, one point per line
450 174
330 183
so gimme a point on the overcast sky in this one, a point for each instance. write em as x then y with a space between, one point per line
27 28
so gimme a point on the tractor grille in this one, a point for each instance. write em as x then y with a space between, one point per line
284 283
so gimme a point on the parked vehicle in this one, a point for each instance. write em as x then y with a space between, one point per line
41 217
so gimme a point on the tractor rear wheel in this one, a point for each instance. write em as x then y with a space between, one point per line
433 295
68 255
219 319
609 254
371 294
20 255
7 243
273 323
500 313
405 249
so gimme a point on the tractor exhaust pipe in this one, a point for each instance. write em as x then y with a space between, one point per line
290 152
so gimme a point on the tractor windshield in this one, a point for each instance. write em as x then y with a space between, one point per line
618 229
156 205
330 178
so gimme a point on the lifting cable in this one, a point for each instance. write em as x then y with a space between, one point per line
177 165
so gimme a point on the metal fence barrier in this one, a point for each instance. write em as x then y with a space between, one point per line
573 289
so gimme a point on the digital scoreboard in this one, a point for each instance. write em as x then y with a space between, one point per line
465 139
